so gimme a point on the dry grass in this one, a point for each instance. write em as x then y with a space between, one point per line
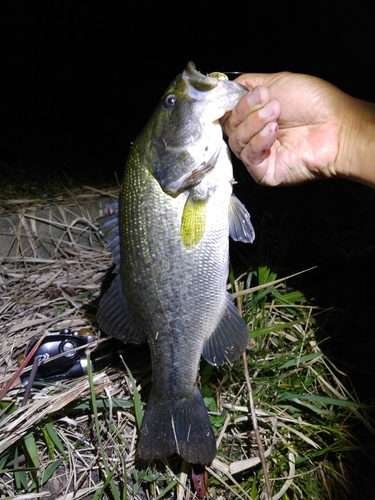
77 438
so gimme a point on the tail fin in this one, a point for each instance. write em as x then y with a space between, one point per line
181 427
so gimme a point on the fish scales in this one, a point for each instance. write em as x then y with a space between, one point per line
182 294
176 211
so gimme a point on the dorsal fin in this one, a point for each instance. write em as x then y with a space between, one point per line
109 230
113 315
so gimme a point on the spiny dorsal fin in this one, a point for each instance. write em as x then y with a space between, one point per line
109 228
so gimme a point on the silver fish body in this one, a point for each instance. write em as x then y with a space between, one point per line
176 211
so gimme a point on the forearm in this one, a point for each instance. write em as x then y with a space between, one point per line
356 156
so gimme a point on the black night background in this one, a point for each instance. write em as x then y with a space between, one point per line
79 80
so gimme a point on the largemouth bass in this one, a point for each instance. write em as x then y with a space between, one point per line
170 245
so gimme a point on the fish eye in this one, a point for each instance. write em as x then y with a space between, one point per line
169 100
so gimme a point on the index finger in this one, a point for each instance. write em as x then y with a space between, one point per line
252 80
250 102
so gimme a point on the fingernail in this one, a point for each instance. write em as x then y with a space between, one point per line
268 129
253 97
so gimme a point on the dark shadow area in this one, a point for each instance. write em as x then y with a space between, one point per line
330 225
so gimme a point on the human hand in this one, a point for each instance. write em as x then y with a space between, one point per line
289 128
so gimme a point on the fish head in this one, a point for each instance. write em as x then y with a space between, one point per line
183 138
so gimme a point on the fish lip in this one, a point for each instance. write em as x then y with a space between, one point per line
198 80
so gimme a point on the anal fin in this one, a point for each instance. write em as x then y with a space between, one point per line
230 338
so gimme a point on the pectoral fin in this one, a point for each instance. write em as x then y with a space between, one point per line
193 223
230 338
240 227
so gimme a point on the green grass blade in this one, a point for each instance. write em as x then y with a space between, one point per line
323 399
170 487
136 399
20 477
50 431
50 470
273 328
113 487
99 494
100 404
302 359
31 452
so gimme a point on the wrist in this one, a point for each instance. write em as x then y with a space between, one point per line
356 154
